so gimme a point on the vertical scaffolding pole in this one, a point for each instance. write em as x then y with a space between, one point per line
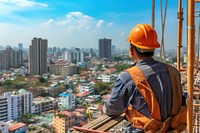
179 39
163 20
153 14
190 64
198 40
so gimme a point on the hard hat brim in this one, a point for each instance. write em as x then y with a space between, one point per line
157 45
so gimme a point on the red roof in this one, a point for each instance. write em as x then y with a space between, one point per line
82 94
66 113
80 110
112 69
82 77
78 114
83 123
16 126
106 96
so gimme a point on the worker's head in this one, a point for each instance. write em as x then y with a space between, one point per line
143 40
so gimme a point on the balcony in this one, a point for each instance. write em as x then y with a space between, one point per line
3 107
3 104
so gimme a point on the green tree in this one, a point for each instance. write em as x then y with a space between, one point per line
104 92
101 88
27 119
67 86
31 128
122 67
116 58
86 116
42 79
7 82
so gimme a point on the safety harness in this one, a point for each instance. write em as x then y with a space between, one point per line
153 124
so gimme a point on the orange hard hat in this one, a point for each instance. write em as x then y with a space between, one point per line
143 36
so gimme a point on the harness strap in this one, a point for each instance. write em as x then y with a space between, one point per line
146 91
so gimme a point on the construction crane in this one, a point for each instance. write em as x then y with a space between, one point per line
88 112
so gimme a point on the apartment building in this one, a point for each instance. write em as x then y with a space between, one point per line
106 78
62 121
69 70
3 109
55 66
44 104
74 55
86 88
10 58
14 104
67 100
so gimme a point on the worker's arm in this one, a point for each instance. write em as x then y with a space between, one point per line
120 96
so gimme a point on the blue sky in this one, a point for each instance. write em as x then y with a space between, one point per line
80 23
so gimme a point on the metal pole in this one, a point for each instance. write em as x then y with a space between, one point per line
153 13
190 64
198 40
162 49
179 40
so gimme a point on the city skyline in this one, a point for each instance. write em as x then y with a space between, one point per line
81 23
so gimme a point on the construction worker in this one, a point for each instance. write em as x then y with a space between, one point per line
149 92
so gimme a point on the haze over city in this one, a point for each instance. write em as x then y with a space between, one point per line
81 23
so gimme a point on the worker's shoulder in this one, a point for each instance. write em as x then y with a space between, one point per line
172 69
125 77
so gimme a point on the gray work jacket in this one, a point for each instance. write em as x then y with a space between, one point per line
125 92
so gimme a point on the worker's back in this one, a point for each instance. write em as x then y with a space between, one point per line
157 75
158 78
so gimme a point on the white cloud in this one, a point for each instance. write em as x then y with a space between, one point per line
78 29
76 22
23 3
75 29
48 23
100 23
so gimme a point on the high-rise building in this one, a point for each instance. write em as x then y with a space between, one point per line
10 58
38 56
67 55
105 48
20 46
76 55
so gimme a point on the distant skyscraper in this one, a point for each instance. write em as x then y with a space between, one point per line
67 55
10 58
105 48
20 46
38 56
